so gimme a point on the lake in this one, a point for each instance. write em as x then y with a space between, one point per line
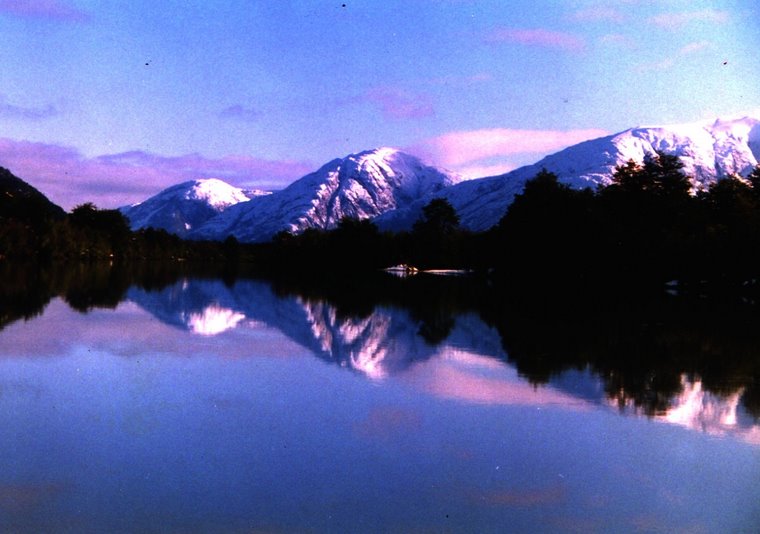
192 404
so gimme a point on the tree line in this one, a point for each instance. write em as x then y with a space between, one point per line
644 225
88 233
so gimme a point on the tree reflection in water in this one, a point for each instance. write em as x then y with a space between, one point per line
651 351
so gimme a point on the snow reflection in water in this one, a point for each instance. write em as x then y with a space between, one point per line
218 418
387 342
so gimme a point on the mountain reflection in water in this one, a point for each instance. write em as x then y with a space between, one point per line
450 354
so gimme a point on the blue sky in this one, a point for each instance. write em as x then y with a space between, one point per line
111 101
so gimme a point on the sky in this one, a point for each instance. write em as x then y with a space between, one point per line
110 101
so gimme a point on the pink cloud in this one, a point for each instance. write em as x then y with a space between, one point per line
538 37
68 178
43 9
678 20
479 170
467 148
395 103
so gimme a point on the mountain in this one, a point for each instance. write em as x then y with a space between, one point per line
362 185
21 201
709 151
183 207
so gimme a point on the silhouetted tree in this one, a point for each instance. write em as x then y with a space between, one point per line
545 230
646 218
436 238
439 218
100 233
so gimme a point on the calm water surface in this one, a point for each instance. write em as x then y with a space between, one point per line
205 407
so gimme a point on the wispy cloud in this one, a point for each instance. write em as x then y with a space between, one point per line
8 110
674 21
537 37
598 14
473 149
693 48
618 40
668 62
43 9
397 104
69 178
240 112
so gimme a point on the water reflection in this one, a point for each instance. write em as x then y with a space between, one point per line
675 361
198 405
393 341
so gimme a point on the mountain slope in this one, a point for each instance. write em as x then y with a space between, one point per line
362 185
21 201
708 151
180 208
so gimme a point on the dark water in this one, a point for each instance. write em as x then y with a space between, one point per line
205 406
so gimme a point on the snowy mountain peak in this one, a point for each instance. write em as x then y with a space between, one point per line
362 185
375 154
215 193
709 150
182 207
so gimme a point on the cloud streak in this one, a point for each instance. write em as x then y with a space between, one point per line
669 62
475 149
68 178
43 9
537 37
675 21
9 110
240 112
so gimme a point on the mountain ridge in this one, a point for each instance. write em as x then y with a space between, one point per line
709 150
20 200
391 187
362 185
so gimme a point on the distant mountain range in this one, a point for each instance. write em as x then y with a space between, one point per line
391 187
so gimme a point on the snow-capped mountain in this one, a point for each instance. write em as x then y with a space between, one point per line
708 151
362 185
183 207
